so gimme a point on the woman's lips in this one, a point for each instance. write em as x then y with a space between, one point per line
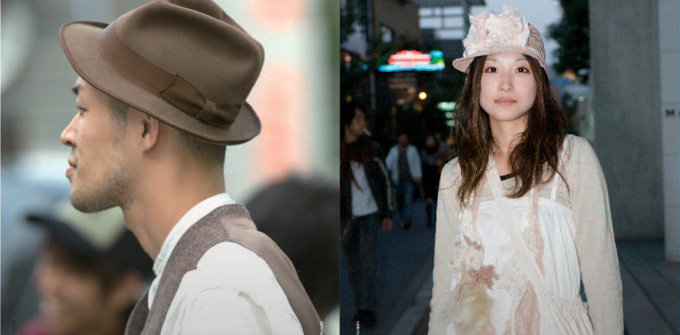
505 101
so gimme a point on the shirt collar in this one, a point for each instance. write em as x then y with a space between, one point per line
197 212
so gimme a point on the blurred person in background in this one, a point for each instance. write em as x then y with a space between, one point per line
89 274
431 169
403 162
444 152
301 215
161 93
365 198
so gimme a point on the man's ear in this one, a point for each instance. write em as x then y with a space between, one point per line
150 132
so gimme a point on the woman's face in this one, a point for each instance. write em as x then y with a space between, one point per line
508 89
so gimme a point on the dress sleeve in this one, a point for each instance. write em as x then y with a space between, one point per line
447 227
595 240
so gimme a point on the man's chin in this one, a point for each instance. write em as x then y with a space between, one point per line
88 204
80 203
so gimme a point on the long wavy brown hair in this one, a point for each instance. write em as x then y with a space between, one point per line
539 145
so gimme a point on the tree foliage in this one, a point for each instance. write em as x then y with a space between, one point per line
573 36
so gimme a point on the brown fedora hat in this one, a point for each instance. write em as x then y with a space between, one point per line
185 62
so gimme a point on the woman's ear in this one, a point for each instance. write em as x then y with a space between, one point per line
150 132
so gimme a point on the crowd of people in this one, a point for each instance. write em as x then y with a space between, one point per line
378 190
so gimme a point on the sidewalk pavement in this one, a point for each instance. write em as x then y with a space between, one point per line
651 295
405 263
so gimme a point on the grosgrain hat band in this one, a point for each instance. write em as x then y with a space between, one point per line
171 87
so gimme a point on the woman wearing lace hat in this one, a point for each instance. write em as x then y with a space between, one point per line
523 216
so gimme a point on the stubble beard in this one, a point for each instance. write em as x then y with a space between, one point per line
109 191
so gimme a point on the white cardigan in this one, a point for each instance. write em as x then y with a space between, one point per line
587 198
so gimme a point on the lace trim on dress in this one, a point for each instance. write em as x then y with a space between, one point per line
470 301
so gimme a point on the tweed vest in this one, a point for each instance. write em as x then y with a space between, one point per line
227 223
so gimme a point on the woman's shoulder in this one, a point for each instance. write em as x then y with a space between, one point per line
451 166
450 173
578 143
581 153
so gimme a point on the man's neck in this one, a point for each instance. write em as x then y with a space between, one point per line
163 200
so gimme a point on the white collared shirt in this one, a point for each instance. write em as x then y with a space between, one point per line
363 202
231 291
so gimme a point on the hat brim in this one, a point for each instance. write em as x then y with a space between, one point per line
127 251
463 64
79 41
62 232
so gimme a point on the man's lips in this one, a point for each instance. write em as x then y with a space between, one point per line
70 169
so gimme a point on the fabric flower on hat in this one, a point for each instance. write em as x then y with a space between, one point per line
488 31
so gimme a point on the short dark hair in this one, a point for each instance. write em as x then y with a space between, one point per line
203 151
347 112
119 110
106 271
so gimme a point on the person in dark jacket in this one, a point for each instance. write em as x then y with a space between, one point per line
431 170
365 198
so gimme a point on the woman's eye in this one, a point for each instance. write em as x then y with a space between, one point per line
523 70
80 110
490 69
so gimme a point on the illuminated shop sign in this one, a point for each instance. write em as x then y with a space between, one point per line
412 60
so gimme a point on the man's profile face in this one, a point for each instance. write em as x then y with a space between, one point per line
100 152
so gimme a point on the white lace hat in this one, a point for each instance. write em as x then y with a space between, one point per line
508 32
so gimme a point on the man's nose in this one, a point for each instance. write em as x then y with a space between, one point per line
68 136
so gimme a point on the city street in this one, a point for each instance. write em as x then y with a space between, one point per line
405 258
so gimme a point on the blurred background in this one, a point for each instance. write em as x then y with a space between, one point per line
614 66
296 98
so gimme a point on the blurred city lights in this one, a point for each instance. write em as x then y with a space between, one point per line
446 106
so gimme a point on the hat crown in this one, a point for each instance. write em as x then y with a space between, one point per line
197 41
185 62
508 32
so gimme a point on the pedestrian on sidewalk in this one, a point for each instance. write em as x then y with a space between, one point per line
523 217
431 169
365 202
403 162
